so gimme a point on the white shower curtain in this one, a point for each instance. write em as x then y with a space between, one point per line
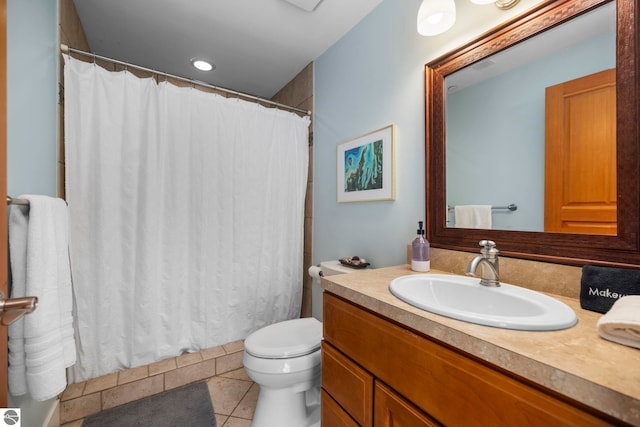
186 215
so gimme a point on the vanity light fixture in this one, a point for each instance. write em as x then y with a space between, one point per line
437 16
202 65
505 4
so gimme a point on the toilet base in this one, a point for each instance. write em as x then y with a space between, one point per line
278 407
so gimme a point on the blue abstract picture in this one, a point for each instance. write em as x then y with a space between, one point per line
363 167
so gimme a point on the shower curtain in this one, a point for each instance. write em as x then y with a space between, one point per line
186 215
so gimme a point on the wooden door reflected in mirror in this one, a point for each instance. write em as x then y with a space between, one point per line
580 155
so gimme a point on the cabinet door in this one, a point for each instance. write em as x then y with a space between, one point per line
349 384
333 415
391 410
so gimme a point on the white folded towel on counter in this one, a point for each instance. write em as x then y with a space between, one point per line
473 216
621 323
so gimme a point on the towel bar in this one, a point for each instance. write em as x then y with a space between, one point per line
512 207
14 308
12 201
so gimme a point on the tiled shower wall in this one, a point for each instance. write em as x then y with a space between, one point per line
299 93
71 34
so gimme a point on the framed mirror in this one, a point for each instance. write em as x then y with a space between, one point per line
517 172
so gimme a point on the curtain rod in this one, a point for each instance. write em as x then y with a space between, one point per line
66 49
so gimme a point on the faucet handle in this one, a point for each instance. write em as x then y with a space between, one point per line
488 248
488 244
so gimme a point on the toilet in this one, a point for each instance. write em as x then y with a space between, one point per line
284 360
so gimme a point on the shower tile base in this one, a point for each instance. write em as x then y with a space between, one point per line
233 394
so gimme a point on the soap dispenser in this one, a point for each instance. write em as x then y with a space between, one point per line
420 252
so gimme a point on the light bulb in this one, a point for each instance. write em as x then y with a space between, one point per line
436 16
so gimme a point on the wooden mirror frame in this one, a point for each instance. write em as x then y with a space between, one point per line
620 250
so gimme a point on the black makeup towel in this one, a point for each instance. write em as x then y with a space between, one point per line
600 287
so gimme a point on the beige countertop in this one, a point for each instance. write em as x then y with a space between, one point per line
574 362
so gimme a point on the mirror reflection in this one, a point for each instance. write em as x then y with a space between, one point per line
531 133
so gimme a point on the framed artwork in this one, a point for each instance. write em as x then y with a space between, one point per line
366 167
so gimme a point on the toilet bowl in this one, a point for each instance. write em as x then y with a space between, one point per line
284 360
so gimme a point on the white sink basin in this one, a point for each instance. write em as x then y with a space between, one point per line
463 298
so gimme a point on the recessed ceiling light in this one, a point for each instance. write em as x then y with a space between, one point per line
202 65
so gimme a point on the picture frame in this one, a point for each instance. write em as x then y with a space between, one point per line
365 167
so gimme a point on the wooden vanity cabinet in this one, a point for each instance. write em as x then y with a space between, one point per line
356 389
348 384
381 374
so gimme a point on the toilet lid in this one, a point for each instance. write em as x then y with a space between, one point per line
291 338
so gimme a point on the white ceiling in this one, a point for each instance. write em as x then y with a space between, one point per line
257 46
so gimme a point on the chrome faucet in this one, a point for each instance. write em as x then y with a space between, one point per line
488 259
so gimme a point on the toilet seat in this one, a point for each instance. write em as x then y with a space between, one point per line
284 340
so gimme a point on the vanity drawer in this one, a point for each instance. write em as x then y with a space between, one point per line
449 386
350 385
333 415
394 411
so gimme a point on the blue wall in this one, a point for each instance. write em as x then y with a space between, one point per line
32 121
370 78
32 96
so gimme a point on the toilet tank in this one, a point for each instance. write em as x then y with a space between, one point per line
329 268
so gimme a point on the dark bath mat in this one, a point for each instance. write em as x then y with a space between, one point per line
188 406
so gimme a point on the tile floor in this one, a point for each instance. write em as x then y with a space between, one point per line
233 394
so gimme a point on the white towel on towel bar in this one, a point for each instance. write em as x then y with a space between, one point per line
473 216
41 344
